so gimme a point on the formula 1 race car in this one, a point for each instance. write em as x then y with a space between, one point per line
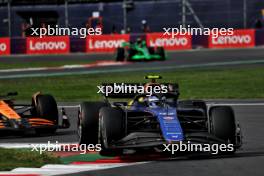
155 120
41 115
139 51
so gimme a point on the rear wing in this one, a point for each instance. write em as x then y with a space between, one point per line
130 90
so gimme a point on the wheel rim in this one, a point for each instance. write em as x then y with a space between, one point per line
79 131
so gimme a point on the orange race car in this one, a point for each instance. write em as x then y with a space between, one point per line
41 115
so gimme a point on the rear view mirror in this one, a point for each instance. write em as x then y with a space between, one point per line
120 103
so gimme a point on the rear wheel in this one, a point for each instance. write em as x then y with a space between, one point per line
120 54
88 119
223 124
46 108
131 53
112 128
151 50
160 51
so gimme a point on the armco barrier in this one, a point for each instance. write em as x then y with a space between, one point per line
108 43
4 46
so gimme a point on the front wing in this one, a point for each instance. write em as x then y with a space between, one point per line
27 123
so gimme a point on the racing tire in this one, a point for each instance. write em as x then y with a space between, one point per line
47 108
112 128
120 54
151 50
131 53
161 52
223 124
88 119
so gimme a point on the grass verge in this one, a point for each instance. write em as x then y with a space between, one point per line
219 83
13 158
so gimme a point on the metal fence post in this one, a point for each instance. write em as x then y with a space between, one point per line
124 16
245 13
183 13
66 13
9 17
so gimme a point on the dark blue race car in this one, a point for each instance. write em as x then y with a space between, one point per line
150 121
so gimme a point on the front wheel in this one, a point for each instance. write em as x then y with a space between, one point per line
46 108
88 119
222 123
111 127
161 52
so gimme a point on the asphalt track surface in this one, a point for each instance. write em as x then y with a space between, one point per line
246 162
177 60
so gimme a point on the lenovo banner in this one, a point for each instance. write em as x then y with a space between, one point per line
4 46
105 43
48 45
178 42
239 39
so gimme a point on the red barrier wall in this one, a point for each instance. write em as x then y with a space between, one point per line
105 43
5 46
48 45
240 39
179 42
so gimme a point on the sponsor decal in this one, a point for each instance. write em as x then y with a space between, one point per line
48 45
239 39
4 46
177 42
105 43
168 117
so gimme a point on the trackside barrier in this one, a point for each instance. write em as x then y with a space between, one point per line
259 37
48 45
108 43
4 46
239 39
178 42
105 43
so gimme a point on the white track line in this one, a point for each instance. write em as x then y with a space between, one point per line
58 169
30 145
236 104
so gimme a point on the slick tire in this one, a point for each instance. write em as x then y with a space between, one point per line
120 54
151 50
88 122
161 52
112 128
47 108
223 124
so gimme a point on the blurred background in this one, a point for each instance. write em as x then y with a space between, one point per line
135 17
113 16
